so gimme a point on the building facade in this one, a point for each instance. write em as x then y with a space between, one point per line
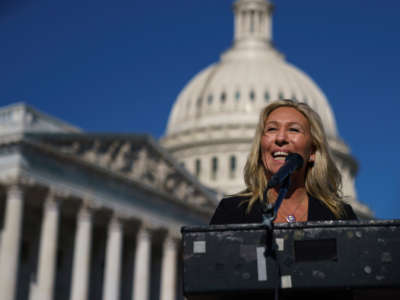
90 216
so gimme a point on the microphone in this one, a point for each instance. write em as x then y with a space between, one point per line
293 162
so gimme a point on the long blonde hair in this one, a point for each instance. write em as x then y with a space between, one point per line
323 179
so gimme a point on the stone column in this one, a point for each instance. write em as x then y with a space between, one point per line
112 271
43 288
82 248
247 20
168 269
10 242
141 271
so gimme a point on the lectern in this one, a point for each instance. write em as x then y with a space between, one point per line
322 259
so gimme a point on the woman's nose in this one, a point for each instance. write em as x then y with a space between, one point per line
281 137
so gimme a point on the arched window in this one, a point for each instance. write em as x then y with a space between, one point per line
223 97
197 168
252 95
267 96
232 166
237 96
214 167
280 96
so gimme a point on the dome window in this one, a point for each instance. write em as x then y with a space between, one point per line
214 167
252 95
210 99
294 98
280 96
223 97
237 95
232 166
267 96
197 168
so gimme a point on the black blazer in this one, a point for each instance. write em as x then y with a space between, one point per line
231 210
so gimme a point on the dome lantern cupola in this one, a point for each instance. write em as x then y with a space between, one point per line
252 23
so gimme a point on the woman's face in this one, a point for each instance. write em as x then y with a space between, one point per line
286 130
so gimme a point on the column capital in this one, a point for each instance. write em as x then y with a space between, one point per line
85 212
19 180
171 241
115 222
58 193
15 189
172 235
53 199
144 231
145 225
90 203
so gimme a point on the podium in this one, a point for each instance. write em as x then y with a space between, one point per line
329 259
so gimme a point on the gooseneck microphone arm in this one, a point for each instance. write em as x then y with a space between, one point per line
271 210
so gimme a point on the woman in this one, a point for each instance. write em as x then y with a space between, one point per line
287 127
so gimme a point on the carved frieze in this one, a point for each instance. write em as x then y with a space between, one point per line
137 161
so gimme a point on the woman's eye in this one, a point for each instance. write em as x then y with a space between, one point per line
294 129
270 129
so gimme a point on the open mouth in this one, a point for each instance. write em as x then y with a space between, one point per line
280 155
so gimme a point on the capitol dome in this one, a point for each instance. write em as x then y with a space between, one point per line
213 119
235 89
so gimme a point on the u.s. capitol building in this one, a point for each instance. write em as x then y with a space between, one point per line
98 216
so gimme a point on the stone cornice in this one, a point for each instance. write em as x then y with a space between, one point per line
231 134
20 117
18 179
133 159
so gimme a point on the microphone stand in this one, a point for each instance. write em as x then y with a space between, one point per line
270 212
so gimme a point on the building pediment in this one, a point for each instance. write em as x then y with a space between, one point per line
135 159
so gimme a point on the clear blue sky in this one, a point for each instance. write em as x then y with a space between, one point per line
117 66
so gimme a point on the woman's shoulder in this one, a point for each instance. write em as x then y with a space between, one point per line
234 200
318 211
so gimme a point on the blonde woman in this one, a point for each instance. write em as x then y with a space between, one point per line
286 126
